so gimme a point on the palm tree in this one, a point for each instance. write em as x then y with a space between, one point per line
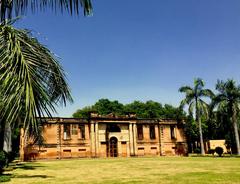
32 80
229 97
195 102
14 8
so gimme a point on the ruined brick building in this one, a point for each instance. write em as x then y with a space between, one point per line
106 136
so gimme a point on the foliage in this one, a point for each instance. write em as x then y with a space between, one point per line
32 79
228 98
83 113
3 160
149 109
5 178
196 105
197 150
105 106
10 8
211 151
219 151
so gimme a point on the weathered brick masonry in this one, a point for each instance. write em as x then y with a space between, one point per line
106 136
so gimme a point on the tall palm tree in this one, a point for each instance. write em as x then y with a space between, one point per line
195 102
32 80
229 97
14 8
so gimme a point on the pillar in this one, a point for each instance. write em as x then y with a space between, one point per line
131 139
161 139
96 140
135 139
92 135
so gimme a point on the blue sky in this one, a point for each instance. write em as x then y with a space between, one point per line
142 50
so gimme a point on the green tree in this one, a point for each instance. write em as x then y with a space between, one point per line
229 96
105 106
83 113
193 98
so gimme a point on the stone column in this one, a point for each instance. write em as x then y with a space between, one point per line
58 141
92 140
161 139
135 139
131 139
96 140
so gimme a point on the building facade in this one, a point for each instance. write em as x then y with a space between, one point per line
106 136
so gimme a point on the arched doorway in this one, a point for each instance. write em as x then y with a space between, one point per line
113 144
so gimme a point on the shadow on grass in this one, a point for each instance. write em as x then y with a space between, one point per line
23 166
27 166
33 176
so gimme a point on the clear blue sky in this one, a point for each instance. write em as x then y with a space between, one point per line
141 50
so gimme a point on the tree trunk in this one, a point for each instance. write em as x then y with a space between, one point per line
7 145
198 118
2 129
201 136
235 127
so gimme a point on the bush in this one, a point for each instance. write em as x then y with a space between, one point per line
219 151
5 178
3 160
197 150
211 151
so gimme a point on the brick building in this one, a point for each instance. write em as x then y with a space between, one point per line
106 136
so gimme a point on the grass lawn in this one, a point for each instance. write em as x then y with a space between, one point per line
165 170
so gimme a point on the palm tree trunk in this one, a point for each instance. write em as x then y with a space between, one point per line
201 136
198 118
235 127
2 135
7 145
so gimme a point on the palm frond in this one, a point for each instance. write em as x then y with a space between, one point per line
206 93
11 8
32 79
185 89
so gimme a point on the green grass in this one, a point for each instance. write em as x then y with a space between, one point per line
158 170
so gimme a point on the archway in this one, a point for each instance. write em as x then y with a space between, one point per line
113 144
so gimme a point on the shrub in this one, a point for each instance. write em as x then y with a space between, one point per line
197 150
219 151
3 160
5 178
211 151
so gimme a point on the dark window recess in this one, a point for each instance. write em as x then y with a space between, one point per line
81 149
81 131
140 132
124 142
153 148
103 143
74 129
140 148
172 131
152 132
66 131
68 151
114 128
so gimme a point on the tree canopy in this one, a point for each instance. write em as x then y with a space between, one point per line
148 109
